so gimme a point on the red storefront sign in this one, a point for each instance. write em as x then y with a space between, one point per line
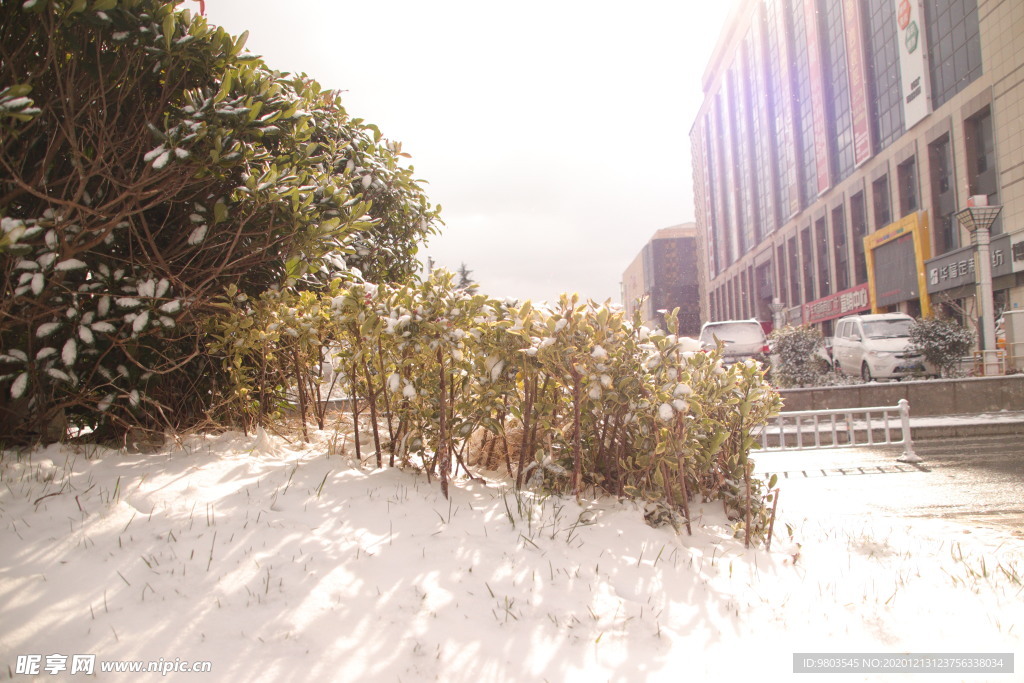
842 303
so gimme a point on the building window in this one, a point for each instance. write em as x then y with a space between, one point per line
780 265
807 261
906 176
725 221
802 105
794 273
837 84
824 271
839 249
739 124
881 201
765 291
780 125
883 61
859 229
736 305
981 160
759 96
744 294
954 46
945 232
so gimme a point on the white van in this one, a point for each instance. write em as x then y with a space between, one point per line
876 347
741 339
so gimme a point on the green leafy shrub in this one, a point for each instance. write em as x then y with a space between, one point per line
598 401
149 165
942 342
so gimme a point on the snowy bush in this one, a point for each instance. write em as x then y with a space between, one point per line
579 396
796 360
942 342
150 164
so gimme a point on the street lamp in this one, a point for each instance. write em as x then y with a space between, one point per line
978 218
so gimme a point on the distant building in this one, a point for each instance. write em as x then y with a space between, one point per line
836 142
663 277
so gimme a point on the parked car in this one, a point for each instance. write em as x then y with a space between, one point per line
741 339
877 347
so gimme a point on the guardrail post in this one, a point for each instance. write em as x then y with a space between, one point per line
908 443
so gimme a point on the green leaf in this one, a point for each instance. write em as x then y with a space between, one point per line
104 5
19 90
240 43
169 22
225 87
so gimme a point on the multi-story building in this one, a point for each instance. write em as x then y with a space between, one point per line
835 144
663 277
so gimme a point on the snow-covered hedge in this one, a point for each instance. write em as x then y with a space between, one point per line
594 400
943 342
795 359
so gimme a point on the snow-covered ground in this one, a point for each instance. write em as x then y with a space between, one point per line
278 561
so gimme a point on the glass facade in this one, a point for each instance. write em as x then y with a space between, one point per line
824 271
794 273
801 99
780 275
742 147
944 228
981 161
723 179
839 249
858 230
802 109
807 261
787 186
837 99
760 98
906 176
880 201
954 46
883 72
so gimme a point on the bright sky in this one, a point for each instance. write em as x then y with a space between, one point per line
554 134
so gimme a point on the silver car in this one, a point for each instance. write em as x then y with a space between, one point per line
877 347
741 339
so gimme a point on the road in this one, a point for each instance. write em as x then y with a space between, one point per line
977 481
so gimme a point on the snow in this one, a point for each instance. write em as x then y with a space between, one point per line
276 561
46 329
140 321
19 385
70 352
69 264
162 159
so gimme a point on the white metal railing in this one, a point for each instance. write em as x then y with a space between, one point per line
841 428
